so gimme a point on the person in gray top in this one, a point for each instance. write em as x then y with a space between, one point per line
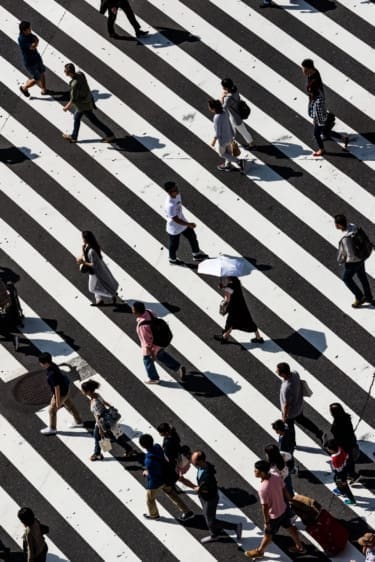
223 137
291 402
230 100
353 265
81 99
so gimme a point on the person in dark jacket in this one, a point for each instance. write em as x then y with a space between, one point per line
81 99
34 545
209 497
343 433
230 100
158 479
112 7
239 317
174 452
286 440
32 60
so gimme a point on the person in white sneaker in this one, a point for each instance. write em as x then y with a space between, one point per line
59 384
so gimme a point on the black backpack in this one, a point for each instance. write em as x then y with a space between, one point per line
161 332
243 109
362 245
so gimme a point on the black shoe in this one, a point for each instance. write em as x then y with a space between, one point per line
221 339
115 36
186 516
200 256
369 300
26 93
141 33
243 166
147 516
250 146
257 340
224 168
176 262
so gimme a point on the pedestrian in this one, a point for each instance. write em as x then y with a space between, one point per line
367 542
112 7
157 474
82 101
230 100
343 433
238 314
339 463
32 60
59 384
177 225
276 511
314 88
151 351
353 264
34 545
224 135
101 281
291 402
98 407
279 465
286 442
177 456
209 497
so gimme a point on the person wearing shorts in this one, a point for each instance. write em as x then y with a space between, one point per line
32 60
276 511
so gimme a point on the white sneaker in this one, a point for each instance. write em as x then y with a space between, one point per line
48 431
74 425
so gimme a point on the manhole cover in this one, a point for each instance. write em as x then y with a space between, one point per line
33 389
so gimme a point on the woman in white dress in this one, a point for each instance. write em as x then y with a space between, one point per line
101 281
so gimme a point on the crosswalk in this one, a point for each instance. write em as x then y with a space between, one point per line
153 93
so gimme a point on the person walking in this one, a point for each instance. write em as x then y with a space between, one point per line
286 441
112 7
343 433
274 499
98 407
32 60
223 137
177 224
151 351
230 100
279 465
238 314
291 402
209 497
59 384
339 462
353 265
101 281
82 101
177 456
158 480
34 544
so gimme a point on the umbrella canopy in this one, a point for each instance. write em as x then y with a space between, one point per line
224 266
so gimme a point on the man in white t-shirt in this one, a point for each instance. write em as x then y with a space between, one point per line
177 225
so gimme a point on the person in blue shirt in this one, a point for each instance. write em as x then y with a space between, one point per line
32 60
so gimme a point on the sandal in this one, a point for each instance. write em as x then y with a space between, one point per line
254 553
318 153
96 457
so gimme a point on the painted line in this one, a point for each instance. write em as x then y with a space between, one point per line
318 335
10 523
10 368
58 492
362 8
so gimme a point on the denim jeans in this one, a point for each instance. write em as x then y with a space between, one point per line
164 358
94 120
357 268
124 4
318 130
174 242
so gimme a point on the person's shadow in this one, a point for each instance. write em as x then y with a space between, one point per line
168 36
13 155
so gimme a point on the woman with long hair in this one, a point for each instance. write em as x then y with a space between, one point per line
177 456
101 281
224 135
343 433
238 314
278 461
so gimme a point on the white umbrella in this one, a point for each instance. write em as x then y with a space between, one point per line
224 266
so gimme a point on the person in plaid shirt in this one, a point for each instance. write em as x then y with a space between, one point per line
318 113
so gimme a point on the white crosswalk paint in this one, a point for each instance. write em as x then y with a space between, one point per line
10 523
59 493
362 8
345 357
10 368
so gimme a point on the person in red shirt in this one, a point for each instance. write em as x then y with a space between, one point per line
276 512
339 462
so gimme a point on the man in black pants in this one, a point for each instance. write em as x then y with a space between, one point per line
112 6
291 402
177 225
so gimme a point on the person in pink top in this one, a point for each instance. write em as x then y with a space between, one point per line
276 511
152 352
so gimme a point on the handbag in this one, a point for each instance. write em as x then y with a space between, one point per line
105 444
306 390
109 418
235 149
85 268
223 307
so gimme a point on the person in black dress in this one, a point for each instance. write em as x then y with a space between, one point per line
239 317
343 432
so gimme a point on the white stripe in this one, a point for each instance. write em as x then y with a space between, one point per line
10 368
59 493
199 353
342 355
330 31
10 523
114 340
362 8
